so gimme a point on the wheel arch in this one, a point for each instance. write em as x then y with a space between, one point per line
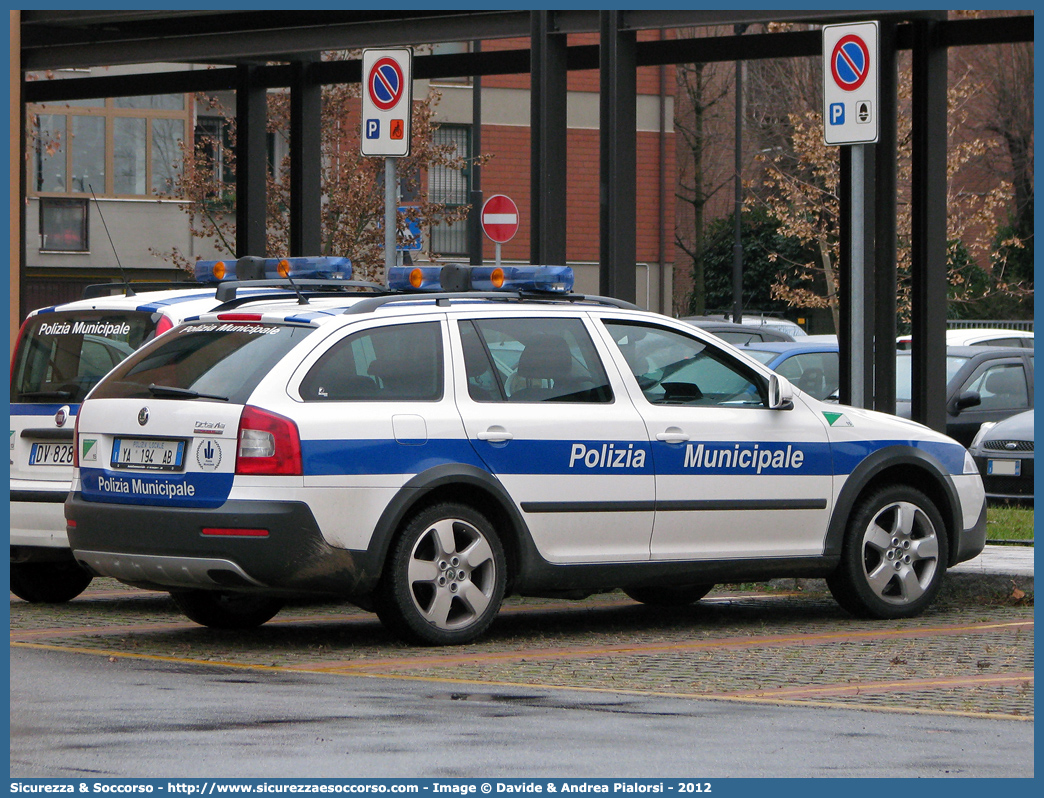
462 484
898 465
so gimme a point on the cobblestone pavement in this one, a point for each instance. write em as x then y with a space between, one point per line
788 642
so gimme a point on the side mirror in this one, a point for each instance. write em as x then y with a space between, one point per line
780 393
964 401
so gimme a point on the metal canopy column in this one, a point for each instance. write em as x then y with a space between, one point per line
251 163
856 297
617 189
928 226
306 105
547 239
885 279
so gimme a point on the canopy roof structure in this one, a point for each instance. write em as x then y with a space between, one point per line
252 51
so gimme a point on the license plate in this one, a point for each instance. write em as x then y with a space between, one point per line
1004 468
51 454
152 455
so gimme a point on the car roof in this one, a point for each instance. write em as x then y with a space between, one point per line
973 333
982 352
324 308
791 347
177 303
718 325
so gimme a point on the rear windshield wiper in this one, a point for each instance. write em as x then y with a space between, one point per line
182 393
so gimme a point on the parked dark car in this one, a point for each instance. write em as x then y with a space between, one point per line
1004 454
983 383
737 333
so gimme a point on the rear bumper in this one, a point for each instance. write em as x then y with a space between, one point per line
973 539
166 548
37 519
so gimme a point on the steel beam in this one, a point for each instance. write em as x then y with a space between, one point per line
617 186
928 226
306 158
251 164
884 310
548 207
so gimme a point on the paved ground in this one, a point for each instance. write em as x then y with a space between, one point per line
1003 560
786 643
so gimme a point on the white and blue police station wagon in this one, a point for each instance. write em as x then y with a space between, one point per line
425 454
61 352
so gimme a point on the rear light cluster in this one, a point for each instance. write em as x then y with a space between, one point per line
76 442
269 444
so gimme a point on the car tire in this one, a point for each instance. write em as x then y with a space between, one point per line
893 557
668 595
226 610
445 577
48 582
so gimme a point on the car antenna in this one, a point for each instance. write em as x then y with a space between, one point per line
123 274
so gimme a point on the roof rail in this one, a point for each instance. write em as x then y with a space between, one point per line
106 289
370 304
226 291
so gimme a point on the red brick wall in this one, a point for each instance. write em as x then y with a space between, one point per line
508 172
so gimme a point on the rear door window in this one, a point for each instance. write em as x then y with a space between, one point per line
532 360
61 356
397 362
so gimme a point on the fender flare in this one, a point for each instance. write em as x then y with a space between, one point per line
421 485
875 464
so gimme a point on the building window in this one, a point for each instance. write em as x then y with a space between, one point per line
120 146
452 187
63 225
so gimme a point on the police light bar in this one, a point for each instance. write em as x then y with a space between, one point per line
458 277
254 268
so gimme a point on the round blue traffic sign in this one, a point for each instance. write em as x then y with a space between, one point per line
385 83
850 62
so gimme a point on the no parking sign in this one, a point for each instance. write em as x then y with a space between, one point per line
850 70
387 99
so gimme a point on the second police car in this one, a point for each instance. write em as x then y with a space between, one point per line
60 354
424 455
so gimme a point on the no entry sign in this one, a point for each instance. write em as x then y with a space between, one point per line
499 218
850 72
387 102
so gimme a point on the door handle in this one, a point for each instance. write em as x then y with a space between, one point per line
672 435
496 434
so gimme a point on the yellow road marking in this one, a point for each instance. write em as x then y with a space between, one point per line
746 699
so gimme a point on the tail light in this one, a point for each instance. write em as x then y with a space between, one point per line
268 444
18 344
165 323
76 441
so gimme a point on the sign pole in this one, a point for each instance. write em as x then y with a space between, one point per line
498 254
390 222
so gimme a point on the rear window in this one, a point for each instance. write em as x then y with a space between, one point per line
62 355
211 360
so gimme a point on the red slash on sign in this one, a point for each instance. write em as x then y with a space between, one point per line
385 83
850 62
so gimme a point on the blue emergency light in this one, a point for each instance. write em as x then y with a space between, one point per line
253 268
457 277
